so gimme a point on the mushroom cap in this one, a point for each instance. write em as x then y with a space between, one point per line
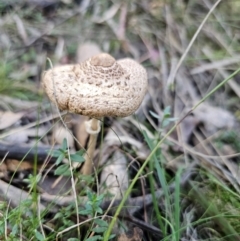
97 87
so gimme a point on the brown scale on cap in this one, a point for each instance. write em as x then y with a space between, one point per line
97 87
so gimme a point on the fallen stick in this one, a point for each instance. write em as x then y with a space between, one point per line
26 152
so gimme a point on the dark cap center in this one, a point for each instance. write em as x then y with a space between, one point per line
104 60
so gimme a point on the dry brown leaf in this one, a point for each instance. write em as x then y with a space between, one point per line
21 28
9 118
114 175
23 136
214 118
17 138
187 126
109 14
3 170
15 165
136 235
17 103
35 132
60 133
63 186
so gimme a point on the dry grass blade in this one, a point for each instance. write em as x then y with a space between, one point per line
172 77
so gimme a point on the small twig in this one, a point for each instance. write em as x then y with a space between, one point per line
26 152
143 225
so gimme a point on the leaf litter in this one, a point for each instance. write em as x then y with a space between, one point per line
156 34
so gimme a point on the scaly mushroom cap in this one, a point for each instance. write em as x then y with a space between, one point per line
97 87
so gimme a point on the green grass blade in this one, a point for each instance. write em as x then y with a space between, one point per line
177 205
151 181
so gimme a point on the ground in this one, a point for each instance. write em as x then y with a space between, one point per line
170 171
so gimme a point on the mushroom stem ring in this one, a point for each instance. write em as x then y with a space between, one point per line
93 127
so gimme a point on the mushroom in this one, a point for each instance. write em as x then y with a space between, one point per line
97 87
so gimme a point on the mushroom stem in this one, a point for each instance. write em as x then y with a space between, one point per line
93 127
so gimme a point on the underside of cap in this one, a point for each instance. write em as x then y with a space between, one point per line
98 87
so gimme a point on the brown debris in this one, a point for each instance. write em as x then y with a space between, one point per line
136 235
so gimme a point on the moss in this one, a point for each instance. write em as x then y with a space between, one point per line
226 202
